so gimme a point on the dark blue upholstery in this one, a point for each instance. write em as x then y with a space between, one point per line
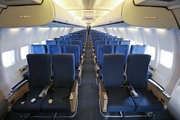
137 70
122 49
118 98
74 49
146 102
118 39
29 107
39 70
77 42
69 39
99 42
108 39
39 77
57 39
63 70
50 42
63 43
113 43
103 49
124 42
113 67
38 49
60 101
55 49
138 49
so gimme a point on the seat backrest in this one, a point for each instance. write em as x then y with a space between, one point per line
103 49
113 68
55 49
122 49
108 39
50 42
99 42
74 49
69 39
113 43
38 49
77 42
124 42
39 70
63 43
118 39
138 49
57 39
137 70
63 70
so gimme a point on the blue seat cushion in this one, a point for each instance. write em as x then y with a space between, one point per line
29 107
146 102
119 100
60 101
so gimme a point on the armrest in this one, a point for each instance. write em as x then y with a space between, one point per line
45 90
97 66
132 91
11 98
155 84
73 96
103 96
80 66
159 92
24 68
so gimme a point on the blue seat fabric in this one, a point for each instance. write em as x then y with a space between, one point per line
146 102
63 43
54 49
63 69
138 49
39 77
38 49
60 101
119 100
122 49
50 42
77 42
137 75
29 107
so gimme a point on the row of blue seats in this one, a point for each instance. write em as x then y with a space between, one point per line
45 95
45 48
134 94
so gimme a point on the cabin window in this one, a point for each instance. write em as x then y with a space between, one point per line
166 58
8 58
24 52
151 51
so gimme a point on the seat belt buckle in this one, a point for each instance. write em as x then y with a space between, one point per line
33 100
22 102
50 101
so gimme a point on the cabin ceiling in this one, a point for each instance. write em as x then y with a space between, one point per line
88 11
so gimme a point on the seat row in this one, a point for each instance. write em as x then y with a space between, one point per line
137 93
45 95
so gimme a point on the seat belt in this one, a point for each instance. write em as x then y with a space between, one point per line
51 96
24 98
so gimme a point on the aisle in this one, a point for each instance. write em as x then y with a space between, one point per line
88 97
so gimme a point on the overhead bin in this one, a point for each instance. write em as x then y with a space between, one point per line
36 15
140 16
145 16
